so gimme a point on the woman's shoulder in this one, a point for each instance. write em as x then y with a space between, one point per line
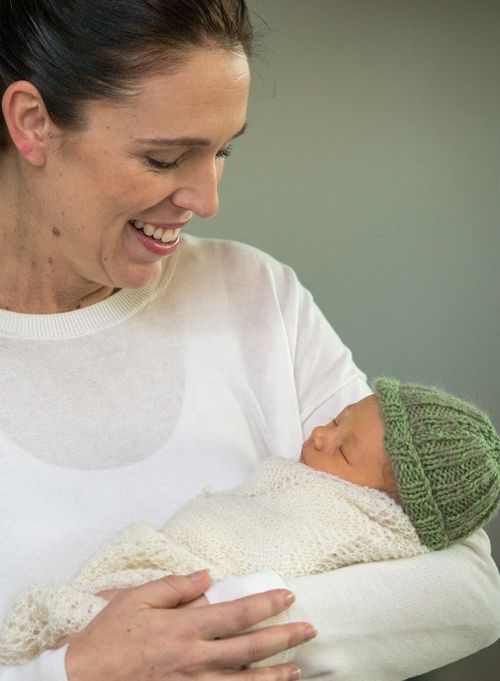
223 248
240 258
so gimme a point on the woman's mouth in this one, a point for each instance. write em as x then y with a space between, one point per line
159 240
165 235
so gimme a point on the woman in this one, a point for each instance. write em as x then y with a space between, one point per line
139 366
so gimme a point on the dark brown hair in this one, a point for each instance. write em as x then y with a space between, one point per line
75 51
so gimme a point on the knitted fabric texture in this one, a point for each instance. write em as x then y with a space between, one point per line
445 454
288 518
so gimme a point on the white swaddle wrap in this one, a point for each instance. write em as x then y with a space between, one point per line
287 518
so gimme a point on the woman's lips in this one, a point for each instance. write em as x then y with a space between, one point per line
164 232
160 240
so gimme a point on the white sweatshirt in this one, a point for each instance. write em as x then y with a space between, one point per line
187 384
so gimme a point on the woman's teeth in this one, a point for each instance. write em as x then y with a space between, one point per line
157 233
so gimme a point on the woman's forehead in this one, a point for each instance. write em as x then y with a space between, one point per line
208 92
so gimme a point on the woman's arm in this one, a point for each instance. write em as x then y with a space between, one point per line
391 620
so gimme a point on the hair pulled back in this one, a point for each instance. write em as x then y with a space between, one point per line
75 51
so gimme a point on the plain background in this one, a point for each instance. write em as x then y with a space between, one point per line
371 165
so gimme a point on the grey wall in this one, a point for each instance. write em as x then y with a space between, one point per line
371 165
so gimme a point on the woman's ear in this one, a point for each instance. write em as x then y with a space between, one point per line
28 121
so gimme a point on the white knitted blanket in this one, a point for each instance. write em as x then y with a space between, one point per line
288 518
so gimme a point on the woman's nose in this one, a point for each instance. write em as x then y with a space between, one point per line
199 192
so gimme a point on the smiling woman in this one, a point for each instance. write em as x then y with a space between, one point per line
122 187
140 365
116 121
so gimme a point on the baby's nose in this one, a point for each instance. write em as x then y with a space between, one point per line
320 437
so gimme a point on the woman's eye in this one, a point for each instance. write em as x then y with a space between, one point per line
161 165
171 165
225 152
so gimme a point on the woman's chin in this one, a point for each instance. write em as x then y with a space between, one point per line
136 276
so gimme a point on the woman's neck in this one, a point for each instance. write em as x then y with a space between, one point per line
33 278
31 282
28 300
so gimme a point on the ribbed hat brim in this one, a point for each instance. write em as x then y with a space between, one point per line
445 454
414 487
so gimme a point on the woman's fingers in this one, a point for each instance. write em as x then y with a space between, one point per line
142 629
225 619
109 594
258 645
168 592
283 672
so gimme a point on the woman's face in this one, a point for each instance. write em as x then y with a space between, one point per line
151 162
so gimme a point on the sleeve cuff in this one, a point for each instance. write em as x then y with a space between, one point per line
49 666
230 588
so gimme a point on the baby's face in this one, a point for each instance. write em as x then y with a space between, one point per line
352 447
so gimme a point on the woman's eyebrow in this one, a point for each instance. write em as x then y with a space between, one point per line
185 141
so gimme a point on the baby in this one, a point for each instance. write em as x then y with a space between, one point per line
401 472
434 454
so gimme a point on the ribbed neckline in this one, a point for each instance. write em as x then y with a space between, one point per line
92 319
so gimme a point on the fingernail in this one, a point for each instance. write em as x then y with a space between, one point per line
197 576
289 598
295 673
309 632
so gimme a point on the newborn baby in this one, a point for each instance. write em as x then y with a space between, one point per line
401 472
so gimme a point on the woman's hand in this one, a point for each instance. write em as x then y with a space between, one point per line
141 635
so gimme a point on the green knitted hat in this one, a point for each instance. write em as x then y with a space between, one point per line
446 459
